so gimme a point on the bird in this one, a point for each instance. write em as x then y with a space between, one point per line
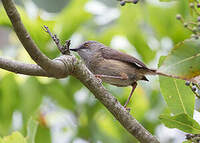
112 66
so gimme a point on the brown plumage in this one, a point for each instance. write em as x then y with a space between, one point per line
112 66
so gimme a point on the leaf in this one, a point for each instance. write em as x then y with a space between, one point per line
1 140
160 18
139 40
134 30
179 98
106 130
15 137
182 122
43 134
161 60
31 130
4 21
31 92
139 103
76 11
64 93
183 61
9 100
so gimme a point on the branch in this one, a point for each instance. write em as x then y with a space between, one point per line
52 67
22 68
35 70
69 65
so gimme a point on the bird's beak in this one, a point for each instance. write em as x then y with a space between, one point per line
75 50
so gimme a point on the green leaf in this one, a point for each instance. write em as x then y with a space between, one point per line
134 30
183 61
76 11
1 140
9 100
161 60
179 98
31 130
31 92
182 122
4 21
139 40
139 103
160 18
15 137
43 134
64 93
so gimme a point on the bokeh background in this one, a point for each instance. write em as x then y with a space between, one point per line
67 112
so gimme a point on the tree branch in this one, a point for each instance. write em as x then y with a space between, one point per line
52 67
69 65
35 70
22 68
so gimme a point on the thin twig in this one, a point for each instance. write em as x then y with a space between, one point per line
189 27
63 49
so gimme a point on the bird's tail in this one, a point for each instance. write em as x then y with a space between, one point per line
156 72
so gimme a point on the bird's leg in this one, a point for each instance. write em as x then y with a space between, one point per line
133 88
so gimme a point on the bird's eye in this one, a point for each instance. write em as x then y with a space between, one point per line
86 45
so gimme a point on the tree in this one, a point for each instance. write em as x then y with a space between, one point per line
66 65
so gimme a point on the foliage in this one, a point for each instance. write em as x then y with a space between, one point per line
181 121
183 60
180 99
17 137
145 27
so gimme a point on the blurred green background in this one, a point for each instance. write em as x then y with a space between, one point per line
67 112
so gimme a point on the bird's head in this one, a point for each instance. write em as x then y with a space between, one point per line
88 49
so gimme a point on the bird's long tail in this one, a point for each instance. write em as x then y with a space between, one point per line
156 72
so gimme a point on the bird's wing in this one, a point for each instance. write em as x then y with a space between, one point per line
109 53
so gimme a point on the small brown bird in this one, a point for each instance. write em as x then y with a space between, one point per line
112 66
